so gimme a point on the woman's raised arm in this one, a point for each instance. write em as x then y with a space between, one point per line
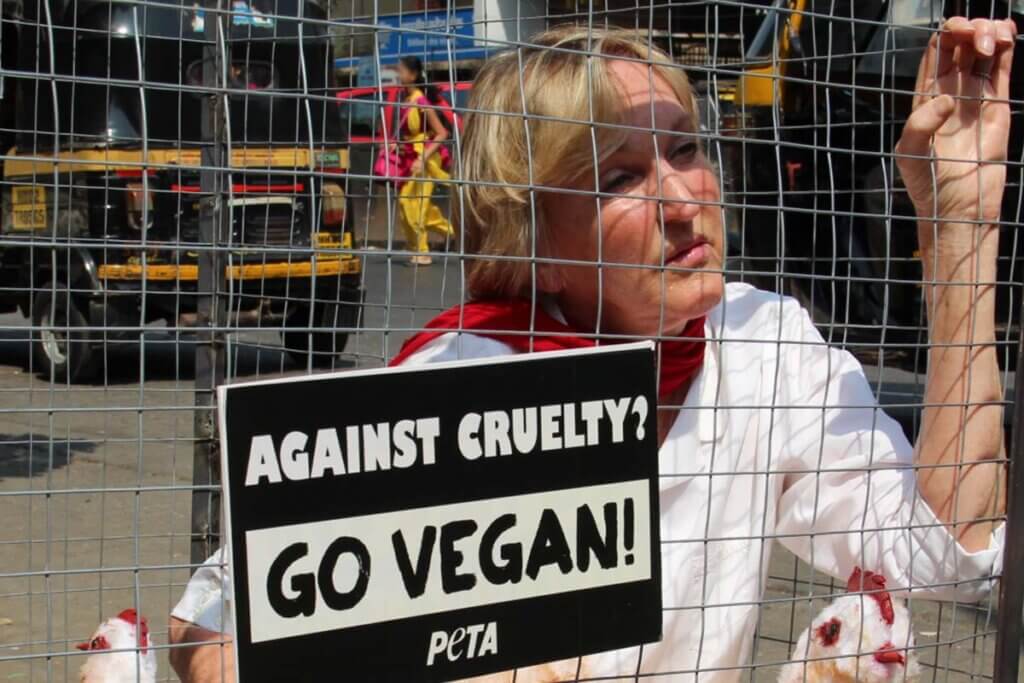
952 158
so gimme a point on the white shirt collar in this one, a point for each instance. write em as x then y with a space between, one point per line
705 392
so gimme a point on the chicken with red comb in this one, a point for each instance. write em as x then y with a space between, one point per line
864 636
120 651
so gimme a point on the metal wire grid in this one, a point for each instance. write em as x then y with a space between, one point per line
97 476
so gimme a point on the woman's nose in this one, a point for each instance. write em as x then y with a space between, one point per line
678 199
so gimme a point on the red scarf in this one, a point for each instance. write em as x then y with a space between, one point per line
506 320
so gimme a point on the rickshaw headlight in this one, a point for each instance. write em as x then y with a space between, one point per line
333 200
138 204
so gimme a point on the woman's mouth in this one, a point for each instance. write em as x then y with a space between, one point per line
694 254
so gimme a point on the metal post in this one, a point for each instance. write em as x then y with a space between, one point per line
210 361
1009 630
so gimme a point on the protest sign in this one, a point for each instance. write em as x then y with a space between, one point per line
443 521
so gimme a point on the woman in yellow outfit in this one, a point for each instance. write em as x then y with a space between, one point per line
418 213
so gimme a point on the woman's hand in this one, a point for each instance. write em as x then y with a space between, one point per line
952 158
956 136
417 167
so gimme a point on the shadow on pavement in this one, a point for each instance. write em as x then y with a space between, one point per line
161 356
30 455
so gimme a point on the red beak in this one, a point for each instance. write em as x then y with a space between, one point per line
888 654
82 646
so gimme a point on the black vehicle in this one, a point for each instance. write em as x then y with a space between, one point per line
101 183
821 101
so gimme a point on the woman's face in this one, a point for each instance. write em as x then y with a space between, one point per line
406 76
659 209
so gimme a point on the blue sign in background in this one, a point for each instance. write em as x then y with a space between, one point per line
427 35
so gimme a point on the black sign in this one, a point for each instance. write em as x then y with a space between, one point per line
440 522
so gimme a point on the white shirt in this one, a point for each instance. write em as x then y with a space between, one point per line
779 438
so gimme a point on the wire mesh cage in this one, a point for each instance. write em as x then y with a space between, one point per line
195 193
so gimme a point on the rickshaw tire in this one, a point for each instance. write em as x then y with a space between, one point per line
58 351
326 346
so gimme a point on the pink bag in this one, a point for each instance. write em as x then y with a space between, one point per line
396 164
393 164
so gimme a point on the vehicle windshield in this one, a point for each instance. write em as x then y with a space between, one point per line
461 99
364 111
763 44
279 73
839 38
896 47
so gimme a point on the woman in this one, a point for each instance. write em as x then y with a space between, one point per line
422 133
765 432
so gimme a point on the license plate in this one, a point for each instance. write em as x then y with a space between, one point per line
31 217
28 207
29 195
329 240
328 159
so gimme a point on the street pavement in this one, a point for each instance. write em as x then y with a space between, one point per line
98 474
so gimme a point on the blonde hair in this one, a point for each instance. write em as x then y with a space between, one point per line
561 84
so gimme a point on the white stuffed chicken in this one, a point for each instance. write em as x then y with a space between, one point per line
120 652
863 637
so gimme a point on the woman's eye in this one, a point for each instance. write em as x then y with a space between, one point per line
615 182
686 150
